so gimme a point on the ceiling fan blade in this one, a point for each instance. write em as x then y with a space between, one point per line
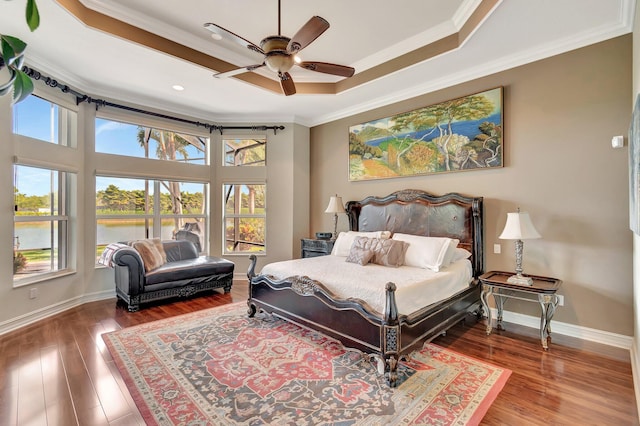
224 33
309 32
327 68
288 86
237 71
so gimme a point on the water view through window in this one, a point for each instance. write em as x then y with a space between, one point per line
132 209
40 221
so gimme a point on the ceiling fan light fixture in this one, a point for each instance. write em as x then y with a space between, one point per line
279 61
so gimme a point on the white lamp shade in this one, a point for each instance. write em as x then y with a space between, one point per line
519 227
335 205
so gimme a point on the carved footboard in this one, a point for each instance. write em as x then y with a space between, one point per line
308 303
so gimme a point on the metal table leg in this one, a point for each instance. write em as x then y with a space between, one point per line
487 291
499 299
548 303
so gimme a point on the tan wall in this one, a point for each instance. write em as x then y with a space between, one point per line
635 349
559 117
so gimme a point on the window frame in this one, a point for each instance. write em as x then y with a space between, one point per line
62 219
154 229
62 157
260 140
238 216
67 122
139 120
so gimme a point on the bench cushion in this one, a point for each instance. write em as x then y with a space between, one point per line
189 268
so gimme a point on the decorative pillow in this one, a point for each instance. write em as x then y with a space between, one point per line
359 255
428 252
151 255
385 252
157 242
345 240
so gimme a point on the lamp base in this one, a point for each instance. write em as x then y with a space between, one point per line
520 280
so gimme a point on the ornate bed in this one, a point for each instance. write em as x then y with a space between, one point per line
389 335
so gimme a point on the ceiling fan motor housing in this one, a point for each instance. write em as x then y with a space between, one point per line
277 58
280 53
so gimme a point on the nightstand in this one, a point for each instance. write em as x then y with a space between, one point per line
543 290
312 247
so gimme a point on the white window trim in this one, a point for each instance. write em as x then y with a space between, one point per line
225 217
137 119
64 248
156 228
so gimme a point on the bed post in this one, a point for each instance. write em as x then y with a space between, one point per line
250 274
390 335
478 236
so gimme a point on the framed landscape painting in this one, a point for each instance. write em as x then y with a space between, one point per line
460 134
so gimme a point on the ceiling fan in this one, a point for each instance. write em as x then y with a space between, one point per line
279 52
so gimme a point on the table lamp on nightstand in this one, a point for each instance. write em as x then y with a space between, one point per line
335 206
519 227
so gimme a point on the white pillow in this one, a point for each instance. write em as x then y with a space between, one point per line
345 240
428 252
451 252
459 254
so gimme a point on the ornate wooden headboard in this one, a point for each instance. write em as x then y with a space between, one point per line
420 213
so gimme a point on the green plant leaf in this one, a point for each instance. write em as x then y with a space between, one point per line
12 47
19 61
8 54
22 87
33 16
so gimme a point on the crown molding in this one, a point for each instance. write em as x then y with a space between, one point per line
103 22
554 48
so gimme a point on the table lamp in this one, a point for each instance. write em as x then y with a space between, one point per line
519 227
335 206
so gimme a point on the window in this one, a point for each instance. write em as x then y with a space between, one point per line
132 209
244 218
43 120
245 152
41 222
114 137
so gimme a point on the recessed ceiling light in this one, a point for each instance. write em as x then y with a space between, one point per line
216 36
177 87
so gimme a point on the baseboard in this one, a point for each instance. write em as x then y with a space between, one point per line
42 313
635 371
584 333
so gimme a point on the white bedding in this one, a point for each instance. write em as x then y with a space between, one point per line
416 287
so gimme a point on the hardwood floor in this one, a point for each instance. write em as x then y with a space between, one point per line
59 372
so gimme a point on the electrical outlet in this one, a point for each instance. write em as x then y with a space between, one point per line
33 293
560 300
497 249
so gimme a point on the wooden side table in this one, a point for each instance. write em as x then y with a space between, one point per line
312 247
543 290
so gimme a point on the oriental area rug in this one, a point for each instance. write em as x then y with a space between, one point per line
220 367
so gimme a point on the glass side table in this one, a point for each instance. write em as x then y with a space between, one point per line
543 290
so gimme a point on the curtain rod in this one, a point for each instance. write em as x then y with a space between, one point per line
81 97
